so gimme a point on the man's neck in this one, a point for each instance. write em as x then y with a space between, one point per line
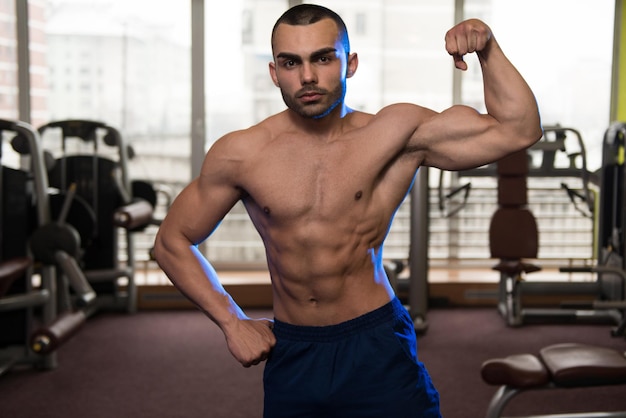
328 126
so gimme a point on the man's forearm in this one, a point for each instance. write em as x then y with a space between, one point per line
508 98
197 280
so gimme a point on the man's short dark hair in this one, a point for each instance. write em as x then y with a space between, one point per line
307 14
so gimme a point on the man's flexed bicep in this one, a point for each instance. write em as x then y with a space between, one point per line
460 137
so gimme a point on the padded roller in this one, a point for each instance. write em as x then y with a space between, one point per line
134 215
47 339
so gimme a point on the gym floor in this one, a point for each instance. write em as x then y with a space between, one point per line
174 363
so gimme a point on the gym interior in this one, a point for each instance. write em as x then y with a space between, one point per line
514 273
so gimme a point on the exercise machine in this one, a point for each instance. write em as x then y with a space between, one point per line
28 312
611 266
513 234
514 240
90 161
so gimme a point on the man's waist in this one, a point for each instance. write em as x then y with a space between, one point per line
377 317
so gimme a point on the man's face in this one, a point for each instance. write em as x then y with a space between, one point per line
310 67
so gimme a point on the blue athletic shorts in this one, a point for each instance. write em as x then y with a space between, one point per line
365 367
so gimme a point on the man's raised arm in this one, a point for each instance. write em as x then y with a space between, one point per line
460 137
507 96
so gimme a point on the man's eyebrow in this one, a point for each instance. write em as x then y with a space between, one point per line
315 54
324 51
288 56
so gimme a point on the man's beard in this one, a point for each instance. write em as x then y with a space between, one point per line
312 110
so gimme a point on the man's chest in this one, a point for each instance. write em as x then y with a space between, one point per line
308 181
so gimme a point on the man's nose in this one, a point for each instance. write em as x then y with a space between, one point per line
308 75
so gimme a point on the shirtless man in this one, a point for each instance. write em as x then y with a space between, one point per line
321 183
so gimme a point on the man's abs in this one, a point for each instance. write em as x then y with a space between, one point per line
329 300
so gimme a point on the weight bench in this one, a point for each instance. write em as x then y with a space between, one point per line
557 366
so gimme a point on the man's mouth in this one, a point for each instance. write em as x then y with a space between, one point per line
310 96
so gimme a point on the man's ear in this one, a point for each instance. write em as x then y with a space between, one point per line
353 63
272 66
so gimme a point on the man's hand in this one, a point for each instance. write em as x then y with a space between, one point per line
468 36
250 341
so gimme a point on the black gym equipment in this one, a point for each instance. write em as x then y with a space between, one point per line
27 311
91 163
611 264
54 233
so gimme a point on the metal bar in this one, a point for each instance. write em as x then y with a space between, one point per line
418 251
198 117
23 60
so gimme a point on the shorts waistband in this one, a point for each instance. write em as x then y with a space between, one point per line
385 314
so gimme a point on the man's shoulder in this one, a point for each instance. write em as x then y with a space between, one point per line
401 109
400 116
262 130
244 139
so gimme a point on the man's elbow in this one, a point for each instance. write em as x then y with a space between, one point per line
535 134
159 251
530 130
169 246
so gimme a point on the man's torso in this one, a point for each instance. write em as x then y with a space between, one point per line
323 208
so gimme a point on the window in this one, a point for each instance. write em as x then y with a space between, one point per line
131 62
569 69
361 23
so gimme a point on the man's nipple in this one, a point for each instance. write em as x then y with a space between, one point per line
358 195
